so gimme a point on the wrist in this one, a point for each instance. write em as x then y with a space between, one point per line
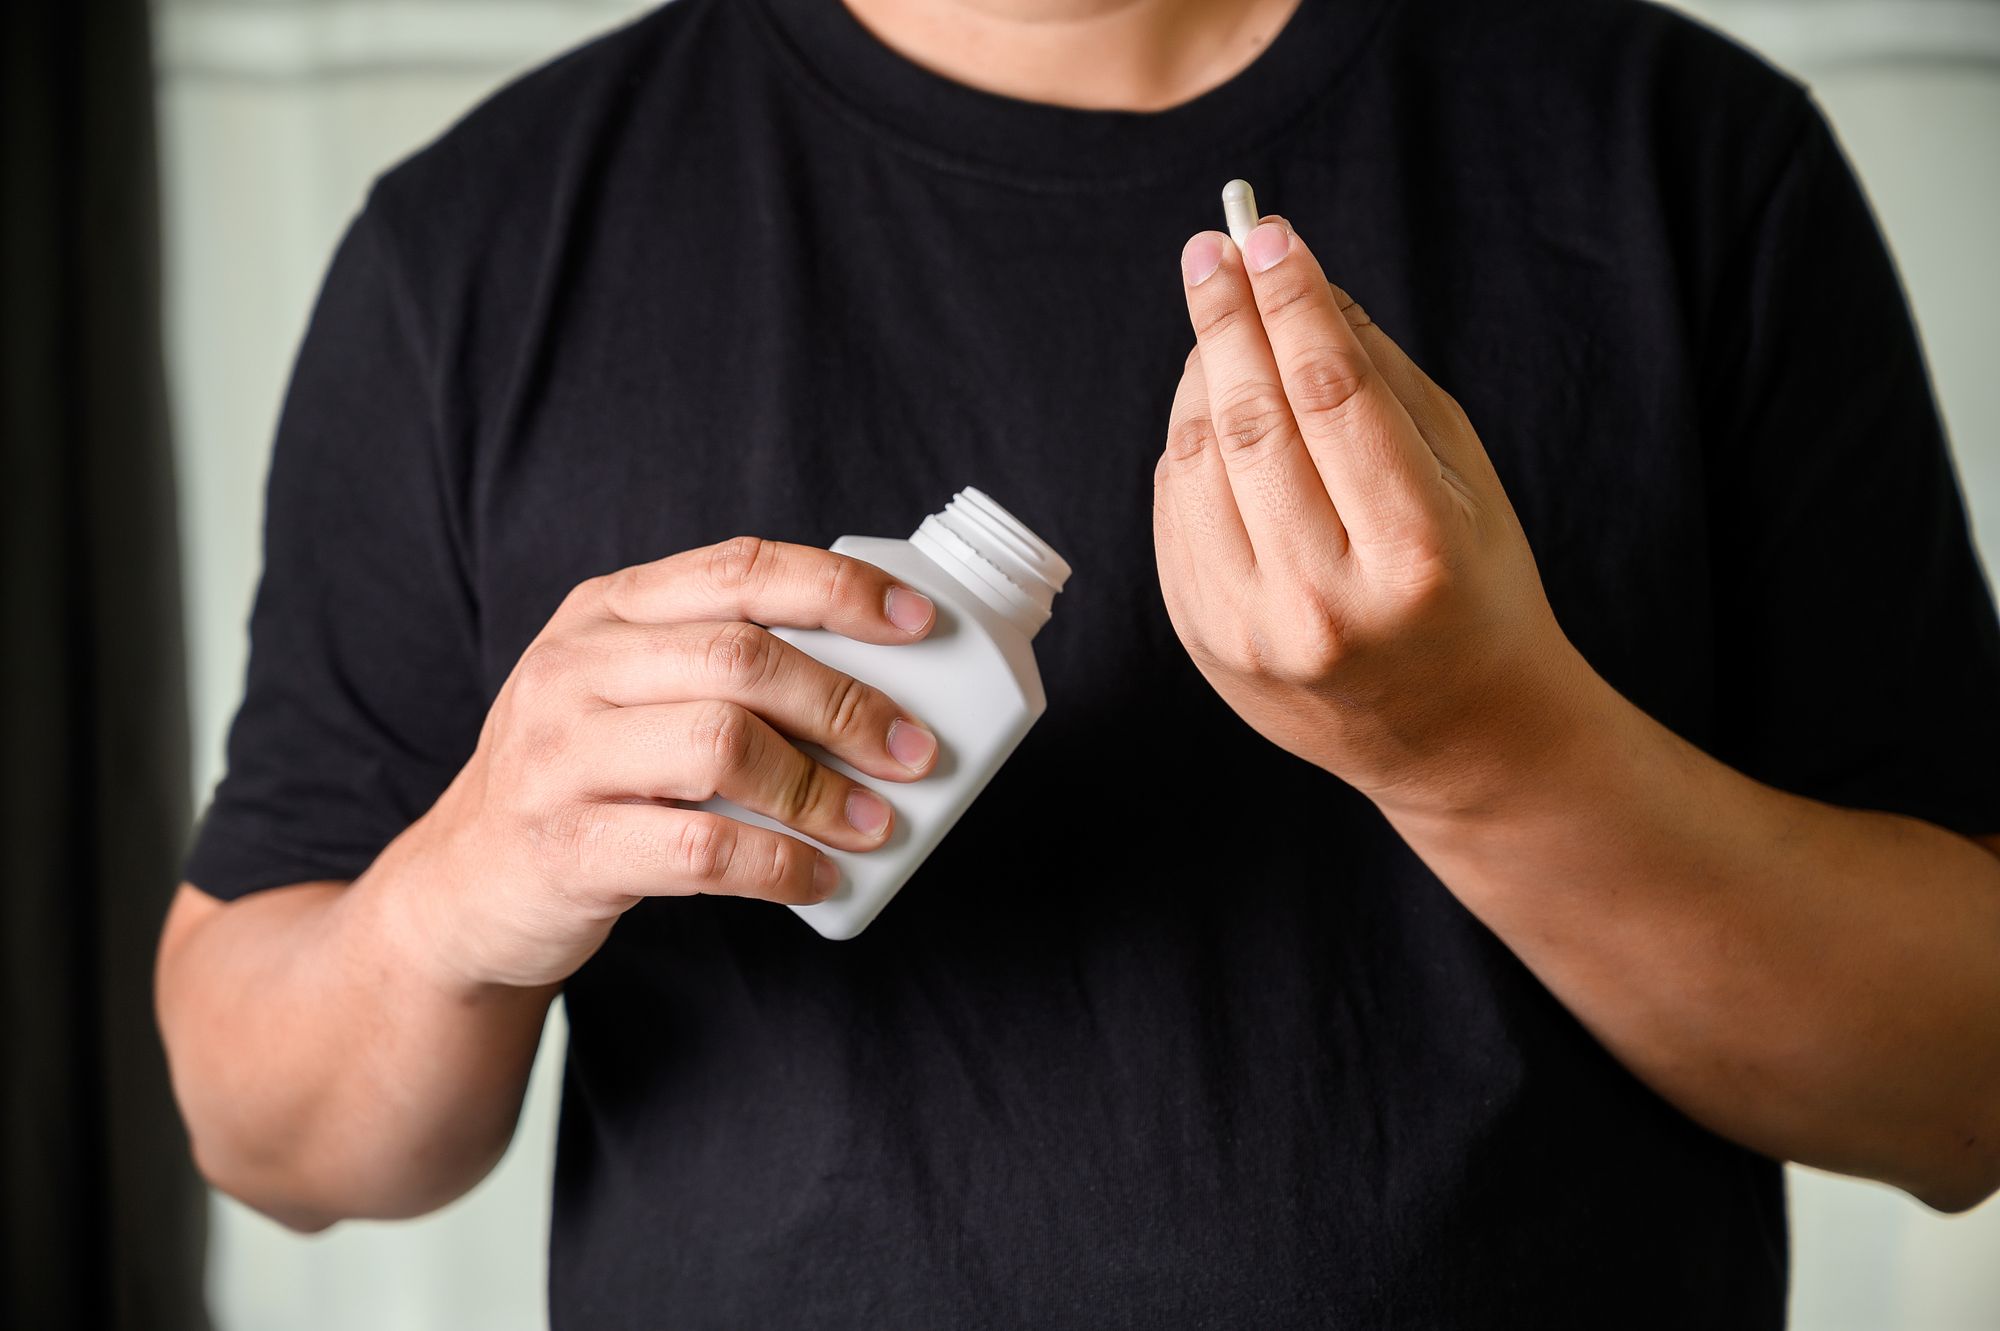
1527 737
414 894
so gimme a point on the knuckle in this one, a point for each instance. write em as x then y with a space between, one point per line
739 563
558 836
739 656
1312 646
845 705
1237 650
722 737
799 792
547 666
589 594
1425 584
620 587
565 837
703 847
1189 437
542 741
1292 296
1253 417
1249 651
1324 381
1220 319
838 580
1228 646
775 870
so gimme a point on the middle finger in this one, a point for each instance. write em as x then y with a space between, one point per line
639 664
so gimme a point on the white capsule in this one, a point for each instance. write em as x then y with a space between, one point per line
1239 210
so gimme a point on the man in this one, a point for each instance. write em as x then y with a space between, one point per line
1472 838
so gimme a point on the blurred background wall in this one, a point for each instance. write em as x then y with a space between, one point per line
275 114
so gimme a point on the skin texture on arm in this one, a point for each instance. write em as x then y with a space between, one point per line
1342 564
328 1068
1817 983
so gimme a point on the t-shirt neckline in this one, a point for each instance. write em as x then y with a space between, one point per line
1031 144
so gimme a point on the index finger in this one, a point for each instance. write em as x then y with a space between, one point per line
768 582
1374 461
1264 470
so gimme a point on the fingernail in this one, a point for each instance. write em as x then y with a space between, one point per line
907 610
1201 257
910 744
1270 242
826 876
866 811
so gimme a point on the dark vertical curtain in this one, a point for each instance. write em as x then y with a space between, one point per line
101 1217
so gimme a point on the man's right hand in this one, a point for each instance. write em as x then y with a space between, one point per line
652 687
380 1070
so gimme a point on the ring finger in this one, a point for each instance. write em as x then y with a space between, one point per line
694 751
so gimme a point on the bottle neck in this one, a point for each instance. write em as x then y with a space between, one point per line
996 557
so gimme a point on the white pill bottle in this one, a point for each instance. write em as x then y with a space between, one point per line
972 679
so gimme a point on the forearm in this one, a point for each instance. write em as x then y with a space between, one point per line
1817 983
326 1066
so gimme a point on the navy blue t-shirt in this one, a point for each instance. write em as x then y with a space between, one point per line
1172 1030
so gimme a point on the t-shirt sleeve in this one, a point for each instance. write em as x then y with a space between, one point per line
362 699
1857 645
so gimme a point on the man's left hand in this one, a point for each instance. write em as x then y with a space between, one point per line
1335 549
